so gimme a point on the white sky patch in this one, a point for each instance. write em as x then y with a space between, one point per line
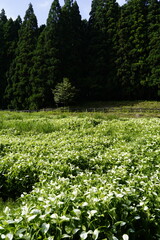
44 4
85 8
121 2
13 9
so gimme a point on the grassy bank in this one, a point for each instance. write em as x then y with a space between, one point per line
135 104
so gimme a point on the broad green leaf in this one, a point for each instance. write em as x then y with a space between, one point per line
9 236
50 238
137 217
84 204
31 218
125 237
45 227
35 211
64 218
121 223
83 235
75 230
95 234
68 229
6 210
66 236
114 238
77 212
22 230
54 215
145 208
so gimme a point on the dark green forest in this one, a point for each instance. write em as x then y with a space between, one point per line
115 55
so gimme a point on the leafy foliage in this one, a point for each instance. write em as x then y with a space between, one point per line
64 92
97 179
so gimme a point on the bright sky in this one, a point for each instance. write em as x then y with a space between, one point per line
13 8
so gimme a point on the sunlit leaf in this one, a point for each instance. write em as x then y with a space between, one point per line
83 235
45 227
31 218
95 234
125 237
66 236
9 236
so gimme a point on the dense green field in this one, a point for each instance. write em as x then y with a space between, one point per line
79 176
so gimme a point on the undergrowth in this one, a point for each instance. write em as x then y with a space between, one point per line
79 176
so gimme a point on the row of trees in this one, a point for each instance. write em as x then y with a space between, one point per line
114 55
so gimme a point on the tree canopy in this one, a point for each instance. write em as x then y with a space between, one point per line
115 55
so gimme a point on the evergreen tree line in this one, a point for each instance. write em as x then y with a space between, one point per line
115 55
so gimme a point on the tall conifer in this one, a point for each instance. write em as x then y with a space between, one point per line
19 84
11 29
102 28
153 60
46 69
3 20
132 49
71 41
